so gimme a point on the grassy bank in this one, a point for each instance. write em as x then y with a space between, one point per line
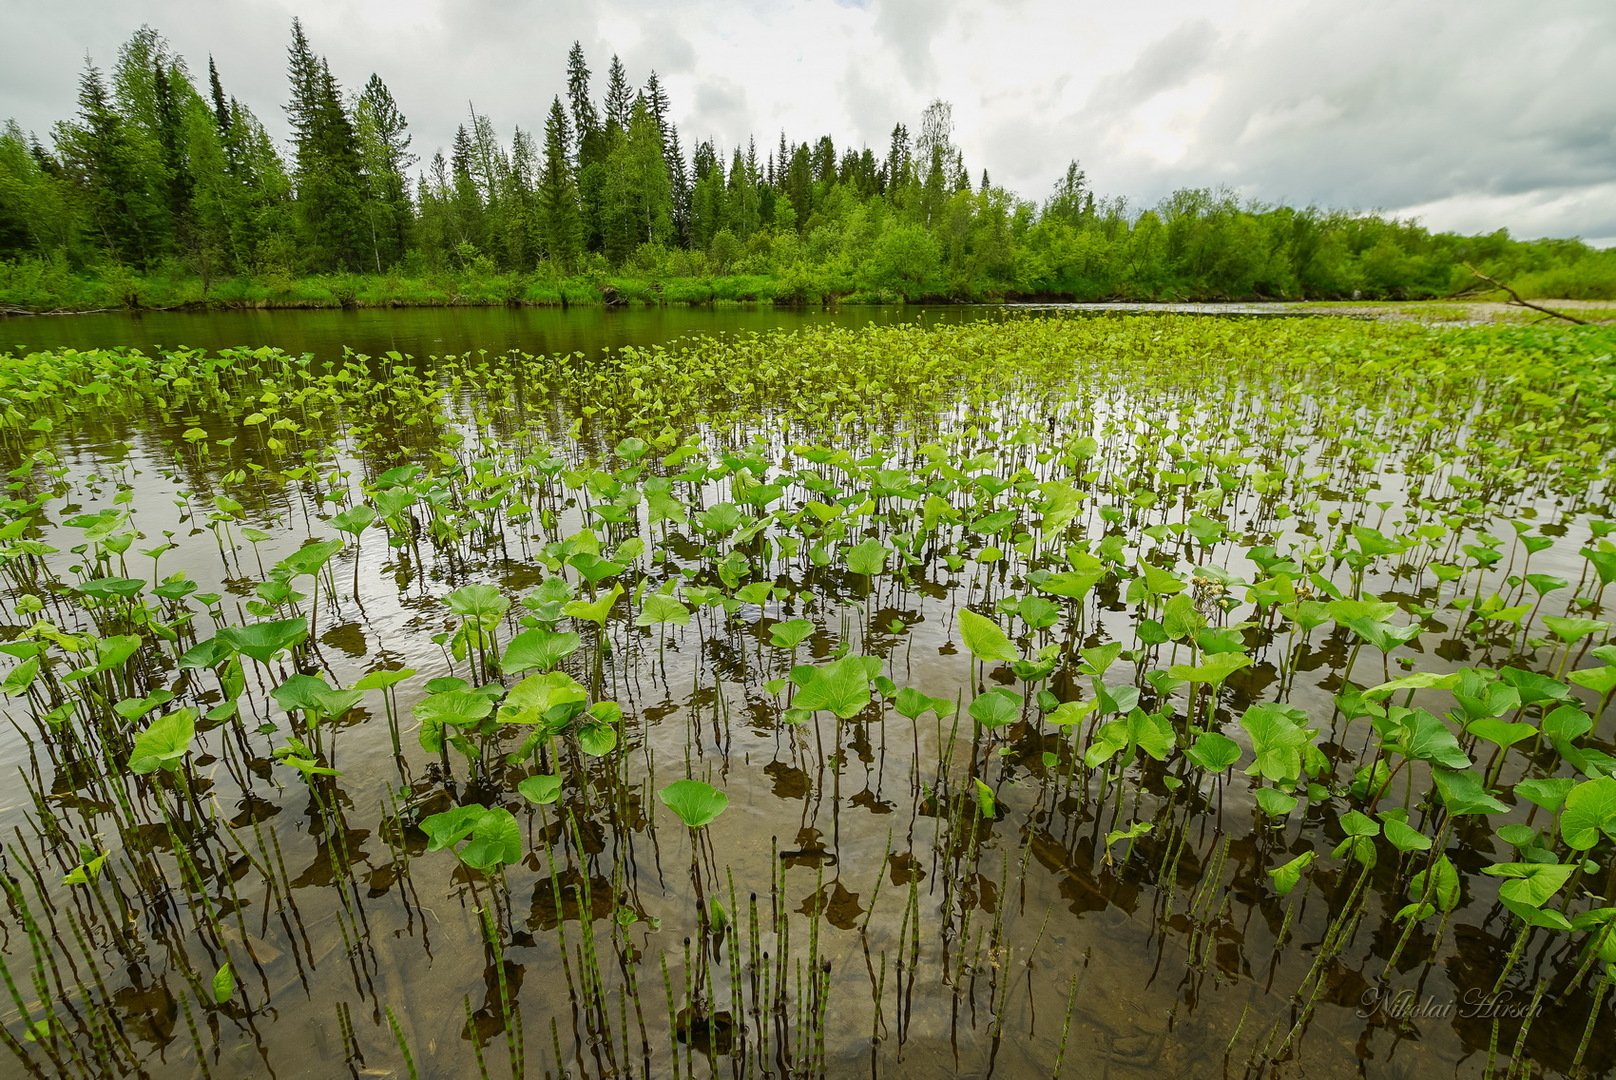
31 288
36 287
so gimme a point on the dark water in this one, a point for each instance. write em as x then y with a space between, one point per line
436 331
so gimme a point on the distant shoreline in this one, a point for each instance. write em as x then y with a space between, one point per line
86 296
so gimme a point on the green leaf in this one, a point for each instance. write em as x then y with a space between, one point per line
1214 751
997 708
107 588
1274 802
310 558
164 743
1285 877
790 634
22 676
1532 687
1418 734
1444 884
1097 659
1566 724
842 687
985 638
1601 680
1549 794
1545 917
1571 628
87 871
354 520
540 790
1403 836
224 984
1150 732
496 840
1519 836
462 708
538 648
1068 713
1420 680
1354 823
1500 733
1462 792
484 604
1132 832
206 654
265 640
596 611
1367 619
1213 670
1180 618
552 698
912 703
495 836
868 558
659 608
1416 911
597 739
985 802
1590 810
310 694
1531 884
697 804
1278 739
382 678
1086 572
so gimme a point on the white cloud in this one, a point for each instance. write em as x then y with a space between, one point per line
1473 116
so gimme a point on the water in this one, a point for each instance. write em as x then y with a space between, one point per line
1171 954
436 331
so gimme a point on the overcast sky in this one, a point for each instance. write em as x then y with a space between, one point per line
1472 116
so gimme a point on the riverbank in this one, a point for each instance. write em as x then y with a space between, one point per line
37 290
1467 311
60 293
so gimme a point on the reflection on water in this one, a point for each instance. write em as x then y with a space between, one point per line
426 332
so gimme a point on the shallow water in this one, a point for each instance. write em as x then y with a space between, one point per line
953 943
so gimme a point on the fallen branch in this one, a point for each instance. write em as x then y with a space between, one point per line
59 311
1515 298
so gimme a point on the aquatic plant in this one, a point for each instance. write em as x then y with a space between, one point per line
982 628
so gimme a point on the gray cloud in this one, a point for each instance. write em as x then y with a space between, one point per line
907 28
1398 106
1473 116
722 104
1168 62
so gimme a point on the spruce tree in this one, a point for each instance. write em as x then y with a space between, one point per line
221 108
176 171
619 105
385 159
590 164
558 194
706 215
465 200
126 214
742 211
673 155
327 174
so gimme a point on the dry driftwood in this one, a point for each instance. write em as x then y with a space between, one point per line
1515 298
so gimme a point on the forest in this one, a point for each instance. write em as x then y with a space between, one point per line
165 189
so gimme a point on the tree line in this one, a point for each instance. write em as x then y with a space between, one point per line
159 173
